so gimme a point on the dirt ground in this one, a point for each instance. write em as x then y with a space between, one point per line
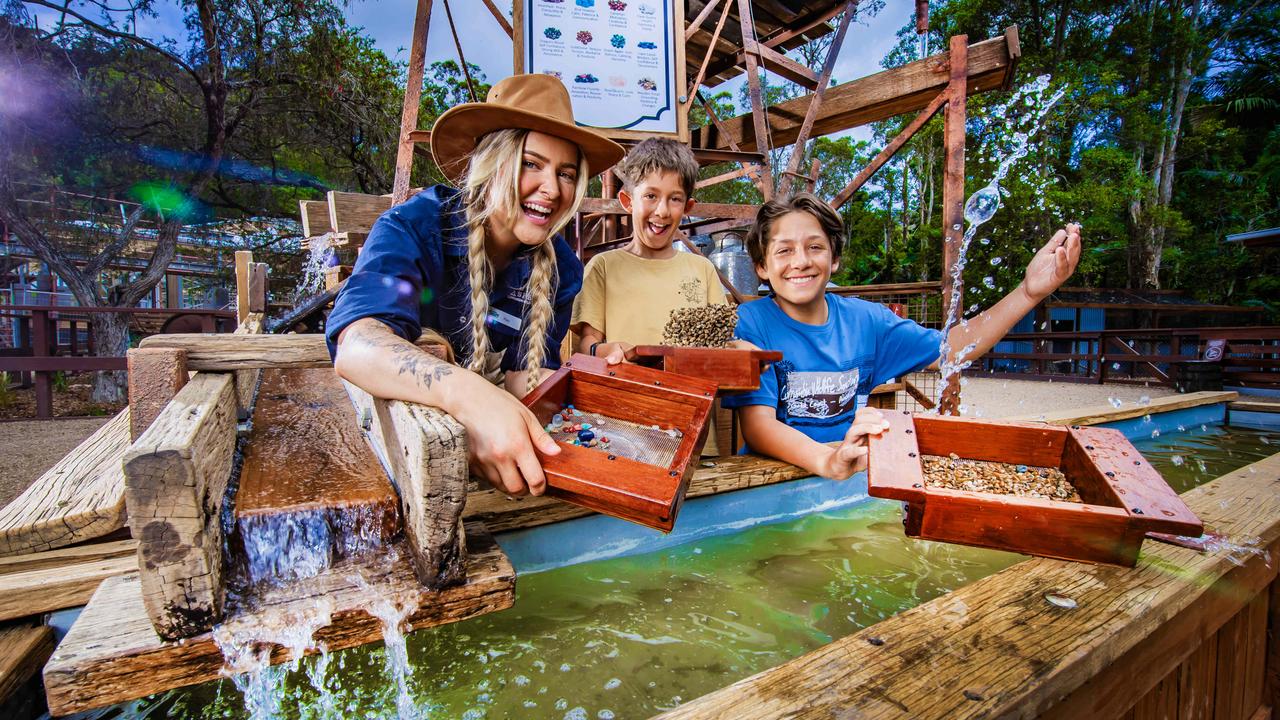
73 400
31 447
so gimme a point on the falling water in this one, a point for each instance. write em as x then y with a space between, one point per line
318 258
392 611
981 207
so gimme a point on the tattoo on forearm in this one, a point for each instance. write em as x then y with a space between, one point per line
409 359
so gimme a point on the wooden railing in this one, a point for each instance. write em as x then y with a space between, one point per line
1251 357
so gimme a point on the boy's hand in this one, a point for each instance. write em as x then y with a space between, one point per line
613 353
1053 264
851 455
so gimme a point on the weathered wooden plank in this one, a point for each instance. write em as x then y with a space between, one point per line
1251 404
78 499
246 380
155 376
175 478
611 206
23 650
68 556
31 592
355 212
244 259
334 276
1253 655
113 654
315 217
425 451
875 97
996 648
1097 414
306 414
240 351
258 288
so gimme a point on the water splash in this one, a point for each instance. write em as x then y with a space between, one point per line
320 255
392 612
982 206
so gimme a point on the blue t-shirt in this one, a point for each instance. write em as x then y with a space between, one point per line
827 371
412 273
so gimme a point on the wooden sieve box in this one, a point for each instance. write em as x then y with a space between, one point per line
643 475
1124 497
732 370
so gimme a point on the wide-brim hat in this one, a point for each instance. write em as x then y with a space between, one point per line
530 102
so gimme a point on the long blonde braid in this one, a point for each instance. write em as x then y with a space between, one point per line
492 183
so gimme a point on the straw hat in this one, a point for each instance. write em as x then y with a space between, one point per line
530 102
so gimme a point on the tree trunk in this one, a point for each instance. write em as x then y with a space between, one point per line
111 339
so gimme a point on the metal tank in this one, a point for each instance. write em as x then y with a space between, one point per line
731 258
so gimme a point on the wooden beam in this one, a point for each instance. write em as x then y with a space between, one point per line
23 651
711 210
759 113
315 217
409 108
820 92
223 352
112 654
155 376
355 212
1096 414
723 177
335 276
425 453
702 70
997 648
175 477
258 288
68 556
502 19
246 380
876 97
781 64
693 27
78 499
33 592
953 203
889 151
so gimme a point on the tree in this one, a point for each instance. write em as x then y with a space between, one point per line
234 66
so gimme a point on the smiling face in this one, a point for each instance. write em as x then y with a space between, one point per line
798 262
548 181
657 205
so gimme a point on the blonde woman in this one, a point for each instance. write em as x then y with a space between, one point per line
482 266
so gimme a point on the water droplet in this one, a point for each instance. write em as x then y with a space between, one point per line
989 282
1061 601
1115 402
1144 400
984 241
956 226
612 684
996 260
1155 434
982 205
1177 460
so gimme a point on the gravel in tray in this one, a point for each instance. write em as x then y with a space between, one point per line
1000 478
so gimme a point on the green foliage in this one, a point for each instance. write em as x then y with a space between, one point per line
60 383
7 396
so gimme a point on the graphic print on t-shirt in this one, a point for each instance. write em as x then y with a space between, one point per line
816 395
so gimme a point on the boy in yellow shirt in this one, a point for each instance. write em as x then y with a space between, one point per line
628 294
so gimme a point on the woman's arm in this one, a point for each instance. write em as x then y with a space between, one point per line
502 434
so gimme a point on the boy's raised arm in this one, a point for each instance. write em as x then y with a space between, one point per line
1051 266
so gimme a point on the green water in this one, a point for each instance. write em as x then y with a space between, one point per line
633 636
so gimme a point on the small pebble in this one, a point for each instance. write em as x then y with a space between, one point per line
586 435
1000 478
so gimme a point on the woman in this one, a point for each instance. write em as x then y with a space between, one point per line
482 266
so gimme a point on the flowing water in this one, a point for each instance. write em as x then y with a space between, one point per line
982 205
319 257
629 637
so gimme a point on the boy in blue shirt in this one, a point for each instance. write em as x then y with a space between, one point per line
836 349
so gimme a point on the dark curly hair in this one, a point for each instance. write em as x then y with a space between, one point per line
832 225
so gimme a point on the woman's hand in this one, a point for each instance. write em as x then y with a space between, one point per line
1053 263
850 456
502 437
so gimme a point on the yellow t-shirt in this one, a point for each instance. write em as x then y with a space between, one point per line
630 298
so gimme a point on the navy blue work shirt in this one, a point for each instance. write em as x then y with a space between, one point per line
412 273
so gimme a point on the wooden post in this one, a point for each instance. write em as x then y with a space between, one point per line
797 152
244 258
953 199
40 348
175 477
258 288
609 191
758 114
155 377
425 451
412 98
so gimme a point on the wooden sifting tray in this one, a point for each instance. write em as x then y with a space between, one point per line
643 475
1123 496
732 370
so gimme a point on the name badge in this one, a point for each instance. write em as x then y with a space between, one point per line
498 317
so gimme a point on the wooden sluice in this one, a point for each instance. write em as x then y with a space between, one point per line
311 523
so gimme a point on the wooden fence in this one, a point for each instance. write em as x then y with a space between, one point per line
1251 355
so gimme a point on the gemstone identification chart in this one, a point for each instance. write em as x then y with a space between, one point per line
616 57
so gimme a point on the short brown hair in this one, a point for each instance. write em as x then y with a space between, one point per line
658 155
832 224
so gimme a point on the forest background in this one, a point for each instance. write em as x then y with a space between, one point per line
1166 140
